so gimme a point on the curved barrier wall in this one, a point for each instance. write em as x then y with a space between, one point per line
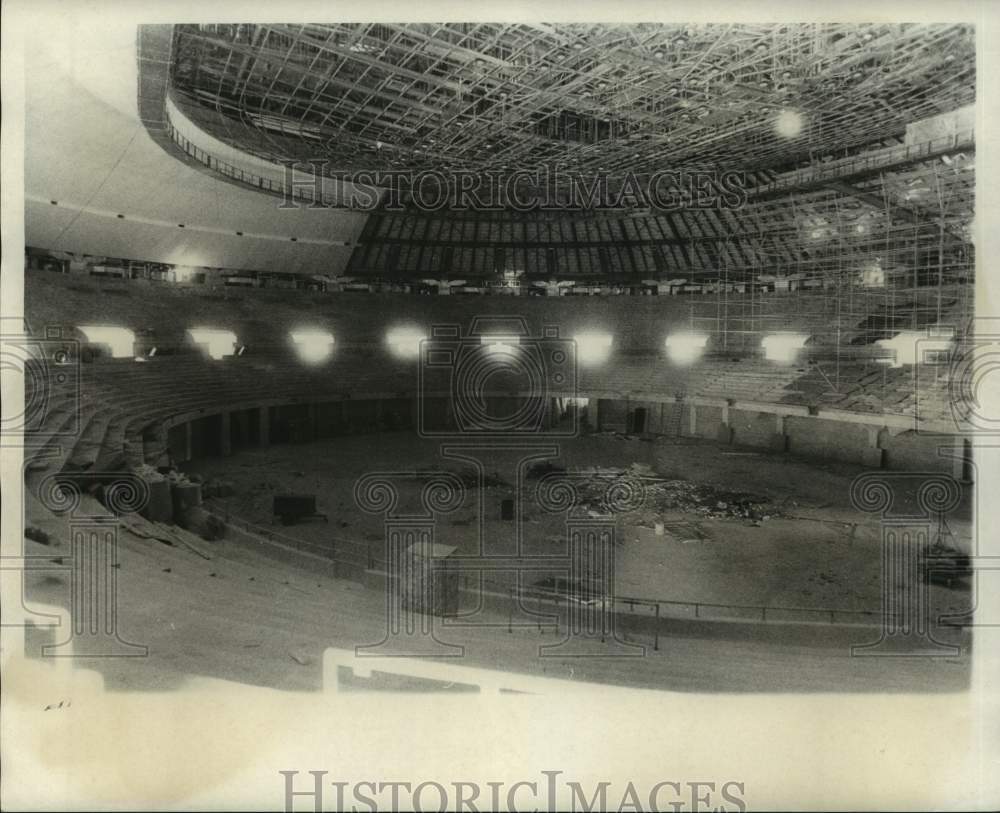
96 181
108 413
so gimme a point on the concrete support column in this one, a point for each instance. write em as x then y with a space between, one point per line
692 420
590 422
225 439
188 444
312 411
962 460
155 445
725 433
264 426
873 455
779 440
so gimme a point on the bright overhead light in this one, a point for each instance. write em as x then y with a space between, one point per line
917 347
500 344
788 124
592 348
217 343
405 341
686 348
783 347
313 346
183 273
119 340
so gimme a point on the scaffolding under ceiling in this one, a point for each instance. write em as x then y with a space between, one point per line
869 224
595 98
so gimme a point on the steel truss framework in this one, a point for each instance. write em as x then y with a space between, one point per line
885 247
613 98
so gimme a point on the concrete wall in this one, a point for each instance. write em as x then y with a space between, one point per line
827 439
398 413
652 416
912 451
807 437
708 421
329 419
755 429
612 415
207 436
361 415
177 445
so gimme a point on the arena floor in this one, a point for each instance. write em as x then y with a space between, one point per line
249 617
813 551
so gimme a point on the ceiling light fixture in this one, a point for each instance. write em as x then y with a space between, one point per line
788 124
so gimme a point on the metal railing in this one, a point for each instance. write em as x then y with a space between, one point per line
294 191
658 609
695 610
860 164
363 555
339 550
749 612
842 168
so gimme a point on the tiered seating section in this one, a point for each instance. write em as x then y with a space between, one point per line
101 424
639 324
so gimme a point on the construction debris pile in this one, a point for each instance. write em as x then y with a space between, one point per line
661 495
708 501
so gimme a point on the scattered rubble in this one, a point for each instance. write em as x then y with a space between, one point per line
36 534
147 472
543 468
301 658
664 494
161 532
218 488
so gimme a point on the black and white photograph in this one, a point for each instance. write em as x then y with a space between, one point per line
513 408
